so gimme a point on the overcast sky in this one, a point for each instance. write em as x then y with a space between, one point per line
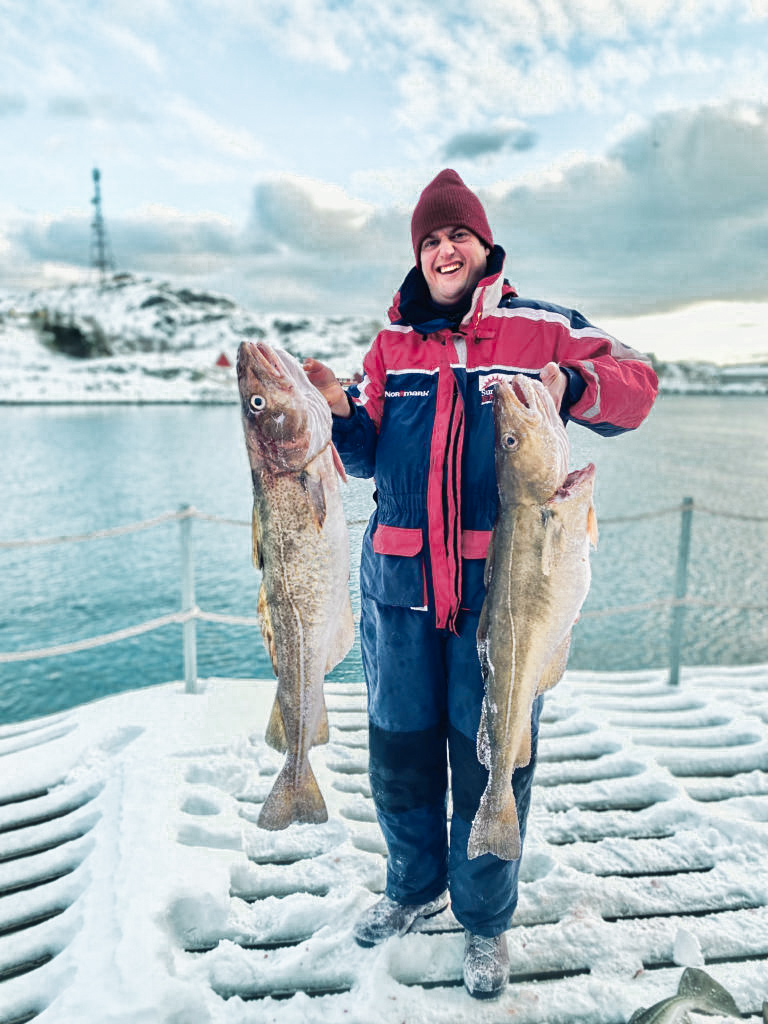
273 149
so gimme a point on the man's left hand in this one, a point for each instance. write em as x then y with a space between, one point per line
555 381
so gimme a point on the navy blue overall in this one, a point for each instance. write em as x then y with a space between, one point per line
425 690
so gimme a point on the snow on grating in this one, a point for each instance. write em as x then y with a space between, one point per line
619 857
44 844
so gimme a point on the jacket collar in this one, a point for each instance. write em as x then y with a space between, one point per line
411 306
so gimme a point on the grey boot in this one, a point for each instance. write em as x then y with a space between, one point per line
486 965
387 918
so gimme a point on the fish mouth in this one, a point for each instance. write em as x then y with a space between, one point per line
258 358
527 396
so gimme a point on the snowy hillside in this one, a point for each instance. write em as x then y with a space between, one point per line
136 339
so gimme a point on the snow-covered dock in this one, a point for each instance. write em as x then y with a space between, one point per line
135 885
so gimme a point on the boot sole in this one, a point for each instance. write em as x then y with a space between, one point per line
485 995
422 917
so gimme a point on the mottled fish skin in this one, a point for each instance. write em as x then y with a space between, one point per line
697 992
300 544
537 577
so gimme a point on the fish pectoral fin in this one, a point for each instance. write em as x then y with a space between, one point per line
592 525
258 561
315 491
343 637
553 673
338 463
554 541
265 621
275 735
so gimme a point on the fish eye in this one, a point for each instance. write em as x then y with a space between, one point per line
257 402
510 442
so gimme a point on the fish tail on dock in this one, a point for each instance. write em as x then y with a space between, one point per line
295 796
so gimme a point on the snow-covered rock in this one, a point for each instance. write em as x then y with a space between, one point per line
136 339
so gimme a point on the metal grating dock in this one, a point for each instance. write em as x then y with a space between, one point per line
646 800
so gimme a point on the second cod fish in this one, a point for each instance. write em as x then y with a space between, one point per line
300 544
537 576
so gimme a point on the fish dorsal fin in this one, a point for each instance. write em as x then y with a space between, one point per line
553 673
343 637
484 740
313 485
256 556
323 733
554 540
275 735
592 525
267 632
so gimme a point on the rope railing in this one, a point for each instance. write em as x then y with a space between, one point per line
219 618
190 613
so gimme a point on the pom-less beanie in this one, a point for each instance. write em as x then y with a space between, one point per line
447 200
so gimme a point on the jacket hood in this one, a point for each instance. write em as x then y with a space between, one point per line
412 305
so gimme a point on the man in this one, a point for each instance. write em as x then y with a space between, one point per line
421 423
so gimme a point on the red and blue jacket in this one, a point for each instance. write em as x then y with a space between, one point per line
422 427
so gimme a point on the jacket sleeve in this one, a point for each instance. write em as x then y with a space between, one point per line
356 437
621 384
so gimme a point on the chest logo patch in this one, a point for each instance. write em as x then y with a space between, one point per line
487 382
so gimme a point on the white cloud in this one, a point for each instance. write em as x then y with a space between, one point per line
140 49
676 213
210 133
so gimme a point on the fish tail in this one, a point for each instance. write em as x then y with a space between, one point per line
295 796
495 829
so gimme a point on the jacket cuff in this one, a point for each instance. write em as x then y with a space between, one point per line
575 388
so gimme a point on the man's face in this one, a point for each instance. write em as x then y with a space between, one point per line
452 261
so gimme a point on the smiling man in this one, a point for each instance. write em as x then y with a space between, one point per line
421 424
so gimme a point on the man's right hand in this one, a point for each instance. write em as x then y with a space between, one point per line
324 379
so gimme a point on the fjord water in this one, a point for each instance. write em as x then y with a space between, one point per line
75 469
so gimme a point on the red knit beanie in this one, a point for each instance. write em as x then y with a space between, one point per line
447 200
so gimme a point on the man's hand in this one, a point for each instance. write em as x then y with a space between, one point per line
325 381
555 381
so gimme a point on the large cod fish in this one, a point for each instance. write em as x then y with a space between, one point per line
300 544
537 576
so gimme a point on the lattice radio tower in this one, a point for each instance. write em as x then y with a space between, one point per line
101 255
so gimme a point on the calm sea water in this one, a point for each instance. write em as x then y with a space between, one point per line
69 470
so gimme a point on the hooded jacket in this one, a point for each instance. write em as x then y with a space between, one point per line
422 426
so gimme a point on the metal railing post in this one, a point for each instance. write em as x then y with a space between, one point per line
188 599
681 590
